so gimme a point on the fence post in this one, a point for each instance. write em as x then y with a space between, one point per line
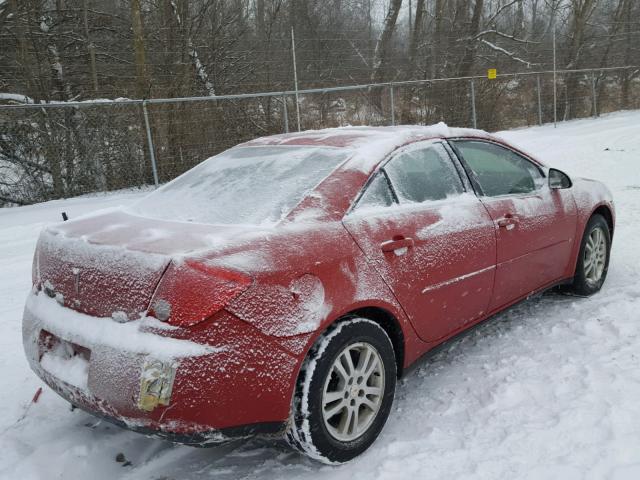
593 93
295 76
473 105
393 113
285 114
152 154
539 101
555 87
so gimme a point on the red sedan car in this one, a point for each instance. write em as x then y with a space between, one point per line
281 287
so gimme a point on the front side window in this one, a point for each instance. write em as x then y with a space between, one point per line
424 174
498 170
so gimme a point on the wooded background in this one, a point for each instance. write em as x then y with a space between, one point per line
81 50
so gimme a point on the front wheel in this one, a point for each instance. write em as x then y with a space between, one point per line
344 393
593 258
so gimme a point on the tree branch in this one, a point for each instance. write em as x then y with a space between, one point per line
503 35
507 53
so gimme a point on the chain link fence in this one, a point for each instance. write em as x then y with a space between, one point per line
59 150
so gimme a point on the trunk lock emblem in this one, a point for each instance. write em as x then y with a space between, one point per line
76 280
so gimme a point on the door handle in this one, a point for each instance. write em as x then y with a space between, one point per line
396 244
508 221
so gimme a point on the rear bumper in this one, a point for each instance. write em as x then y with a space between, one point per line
205 438
237 389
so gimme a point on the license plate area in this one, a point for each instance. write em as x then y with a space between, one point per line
66 361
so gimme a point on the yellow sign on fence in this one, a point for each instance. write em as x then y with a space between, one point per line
492 73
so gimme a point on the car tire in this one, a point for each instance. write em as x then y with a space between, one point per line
340 407
593 258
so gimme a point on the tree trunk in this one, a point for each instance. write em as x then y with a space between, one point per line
382 46
260 26
382 51
468 57
198 67
90 48
436 42
143 85
627 73
583 9
416 34
617 20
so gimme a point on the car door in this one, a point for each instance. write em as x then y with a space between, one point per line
429 237
535 225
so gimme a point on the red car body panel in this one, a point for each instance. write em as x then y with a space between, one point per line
282 286
421 277
542 242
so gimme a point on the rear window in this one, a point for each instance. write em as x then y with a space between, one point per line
245 185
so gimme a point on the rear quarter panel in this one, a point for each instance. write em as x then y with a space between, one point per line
307 276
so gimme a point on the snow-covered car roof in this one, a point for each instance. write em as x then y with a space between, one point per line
370 144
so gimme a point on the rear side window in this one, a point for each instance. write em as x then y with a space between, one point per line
424 174
498 170
377 194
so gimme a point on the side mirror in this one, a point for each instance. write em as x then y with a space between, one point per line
558 179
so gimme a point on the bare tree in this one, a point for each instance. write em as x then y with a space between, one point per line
382 46
143 83
582 10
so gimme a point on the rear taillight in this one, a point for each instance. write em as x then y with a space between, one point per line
191 292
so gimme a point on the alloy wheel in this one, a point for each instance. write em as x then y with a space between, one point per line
595 255
353 391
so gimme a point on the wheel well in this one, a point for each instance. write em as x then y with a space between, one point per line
390 325
606 213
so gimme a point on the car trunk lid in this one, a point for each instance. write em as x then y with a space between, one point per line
109 265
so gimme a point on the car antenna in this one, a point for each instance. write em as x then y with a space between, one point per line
64 216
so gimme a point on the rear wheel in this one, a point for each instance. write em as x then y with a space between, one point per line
593 258
345 392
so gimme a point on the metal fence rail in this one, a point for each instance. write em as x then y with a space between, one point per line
62 149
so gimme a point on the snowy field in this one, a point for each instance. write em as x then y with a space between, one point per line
549 389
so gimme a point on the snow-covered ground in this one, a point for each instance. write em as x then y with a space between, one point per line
549 389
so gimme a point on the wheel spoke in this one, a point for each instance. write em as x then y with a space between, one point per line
363 361
375 365
331 397
372 391
331 412
370 404
345 422
588 267
340 370
356 420
347 362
